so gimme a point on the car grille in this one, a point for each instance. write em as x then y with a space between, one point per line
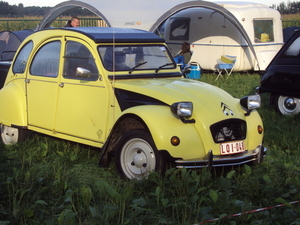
229 130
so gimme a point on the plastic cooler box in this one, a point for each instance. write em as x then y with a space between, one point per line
195 71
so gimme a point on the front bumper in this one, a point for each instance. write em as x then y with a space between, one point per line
210 160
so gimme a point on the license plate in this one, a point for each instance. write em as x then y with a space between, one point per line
232 147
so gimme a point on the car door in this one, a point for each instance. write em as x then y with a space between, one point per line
42 85
82 106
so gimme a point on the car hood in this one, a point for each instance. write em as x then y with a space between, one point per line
210 103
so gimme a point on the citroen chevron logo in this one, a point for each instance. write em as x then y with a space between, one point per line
226 110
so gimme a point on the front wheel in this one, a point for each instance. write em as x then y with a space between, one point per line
136 155
286 105
11 135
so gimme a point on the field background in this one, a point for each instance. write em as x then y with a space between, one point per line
291 16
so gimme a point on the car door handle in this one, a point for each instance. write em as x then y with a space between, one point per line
61 85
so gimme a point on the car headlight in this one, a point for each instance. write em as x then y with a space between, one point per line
250 102
182 109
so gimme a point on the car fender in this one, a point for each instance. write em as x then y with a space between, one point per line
163 125
254 137
13 103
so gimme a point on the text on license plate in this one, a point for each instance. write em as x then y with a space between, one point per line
232 147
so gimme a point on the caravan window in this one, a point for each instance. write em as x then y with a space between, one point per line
179 29
263 31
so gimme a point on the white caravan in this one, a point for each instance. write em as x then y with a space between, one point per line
212 35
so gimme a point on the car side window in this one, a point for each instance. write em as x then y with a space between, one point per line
46 60
294 48
79 56
22 58
291 56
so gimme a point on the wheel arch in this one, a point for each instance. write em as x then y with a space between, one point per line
162 126
124 124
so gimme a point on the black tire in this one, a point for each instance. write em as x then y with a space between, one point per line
136 155
286 105
12 135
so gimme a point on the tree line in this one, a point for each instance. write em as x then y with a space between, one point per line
288 8
19 10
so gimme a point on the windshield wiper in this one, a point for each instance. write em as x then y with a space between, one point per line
167 64
132 69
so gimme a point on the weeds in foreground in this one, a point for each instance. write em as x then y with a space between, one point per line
50 181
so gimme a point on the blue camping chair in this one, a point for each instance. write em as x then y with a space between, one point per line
180 61
226 64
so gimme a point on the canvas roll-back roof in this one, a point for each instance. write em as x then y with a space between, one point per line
117 35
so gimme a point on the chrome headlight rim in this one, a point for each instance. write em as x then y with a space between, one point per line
182 109
250 102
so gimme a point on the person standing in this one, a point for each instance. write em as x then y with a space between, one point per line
73 22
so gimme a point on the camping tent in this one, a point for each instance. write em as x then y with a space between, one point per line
141 14
10 41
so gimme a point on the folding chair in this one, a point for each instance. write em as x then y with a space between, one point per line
225 63
180 61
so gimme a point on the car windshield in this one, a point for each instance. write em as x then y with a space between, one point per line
133 58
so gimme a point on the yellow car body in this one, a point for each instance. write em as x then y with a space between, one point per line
130 112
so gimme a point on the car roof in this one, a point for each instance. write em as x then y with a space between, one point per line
116 35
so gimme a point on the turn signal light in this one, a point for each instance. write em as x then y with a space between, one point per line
175 141
260 129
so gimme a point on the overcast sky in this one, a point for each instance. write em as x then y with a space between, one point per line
55 2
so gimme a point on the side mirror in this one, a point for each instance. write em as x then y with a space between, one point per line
83 73
86 74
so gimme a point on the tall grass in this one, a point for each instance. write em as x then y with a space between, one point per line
51 181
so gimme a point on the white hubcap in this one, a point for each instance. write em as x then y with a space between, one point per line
137 158
288 105
9 135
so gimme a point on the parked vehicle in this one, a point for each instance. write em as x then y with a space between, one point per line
282 78
120 90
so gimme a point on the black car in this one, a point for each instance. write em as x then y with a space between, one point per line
282 78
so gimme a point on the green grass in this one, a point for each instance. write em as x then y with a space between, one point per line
50 181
